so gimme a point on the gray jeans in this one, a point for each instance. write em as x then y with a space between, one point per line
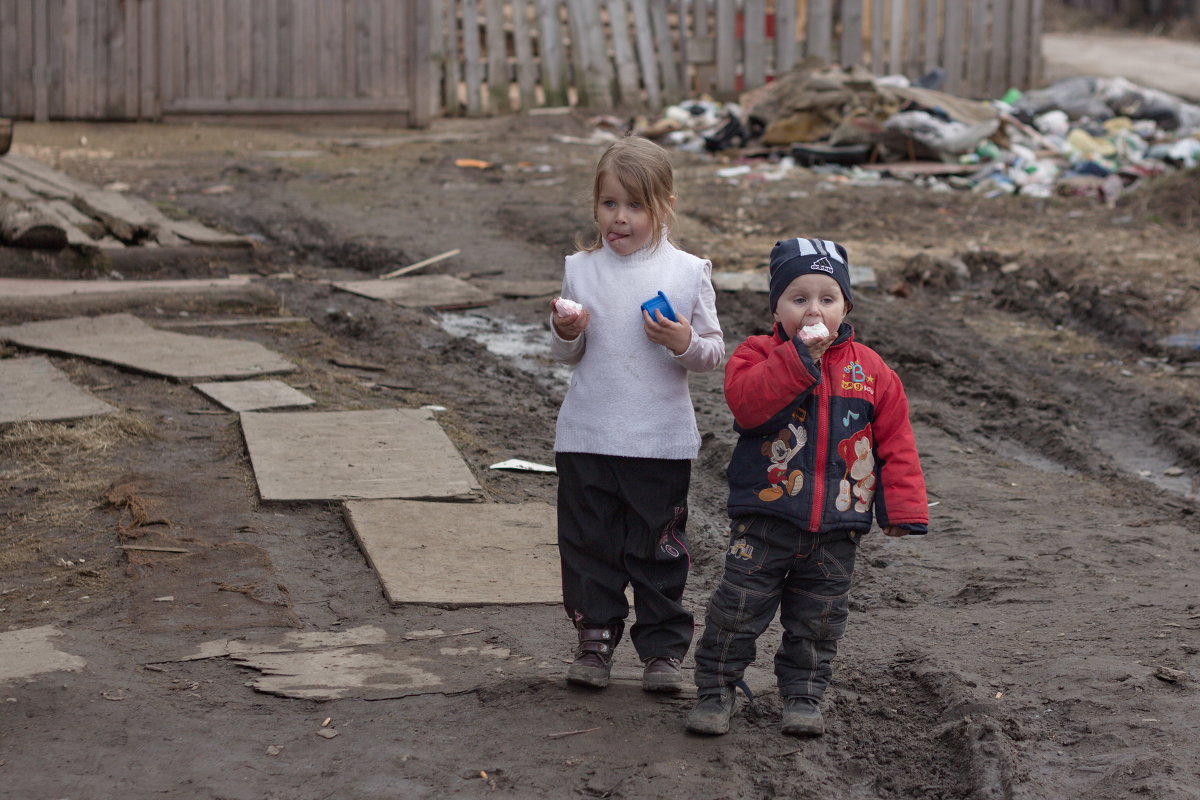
773 565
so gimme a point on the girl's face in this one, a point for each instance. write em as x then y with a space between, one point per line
624 223
808 299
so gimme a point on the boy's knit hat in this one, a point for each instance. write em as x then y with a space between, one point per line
792 258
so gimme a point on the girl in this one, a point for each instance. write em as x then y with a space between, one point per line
626 431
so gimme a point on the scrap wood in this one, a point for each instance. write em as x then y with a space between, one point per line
153 548
23 225
570 733
413 267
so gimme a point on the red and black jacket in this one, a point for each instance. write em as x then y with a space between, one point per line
822 445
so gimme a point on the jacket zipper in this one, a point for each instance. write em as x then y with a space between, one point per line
818 502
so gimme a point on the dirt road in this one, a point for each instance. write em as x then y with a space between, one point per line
1041 642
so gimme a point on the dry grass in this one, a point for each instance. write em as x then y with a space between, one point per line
51 477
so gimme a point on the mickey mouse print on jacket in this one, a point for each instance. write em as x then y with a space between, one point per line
826 445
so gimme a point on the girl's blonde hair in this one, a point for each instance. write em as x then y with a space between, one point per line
644 170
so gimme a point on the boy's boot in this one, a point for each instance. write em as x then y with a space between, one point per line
593 656
662 675
712 711
802 716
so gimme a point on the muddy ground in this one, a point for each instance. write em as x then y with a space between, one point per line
1040 642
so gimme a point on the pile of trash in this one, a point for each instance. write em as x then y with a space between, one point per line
1089 136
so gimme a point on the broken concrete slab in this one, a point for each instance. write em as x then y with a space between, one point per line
125 340
421 291
503 540
254 395
34 389
336 455
31 651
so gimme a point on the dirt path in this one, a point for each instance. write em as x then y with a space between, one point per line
1041 642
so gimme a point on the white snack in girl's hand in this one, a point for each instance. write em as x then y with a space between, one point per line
564 307
811 333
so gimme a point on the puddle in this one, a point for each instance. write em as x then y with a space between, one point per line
526 346
1139 455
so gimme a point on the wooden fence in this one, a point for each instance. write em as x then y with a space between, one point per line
146 59
143 59
497 55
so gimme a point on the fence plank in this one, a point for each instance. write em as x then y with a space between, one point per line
550 47
1018 57
725 30
702 48
148 85
818 35
645 49
417 15
668 63
878 38
912 40
930 42
473 54
588 54
896 38
25 57
41 88
9 75
754 39
977 42
1001 49
497 58
785 36
1036 64
952 46
628 83
453 70
523 45
851 50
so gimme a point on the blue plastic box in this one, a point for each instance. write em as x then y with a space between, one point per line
659 303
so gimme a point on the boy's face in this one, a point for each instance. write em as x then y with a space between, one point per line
624 223
808 299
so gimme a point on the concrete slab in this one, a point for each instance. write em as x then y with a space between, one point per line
418 550
31 652
254 395
34 389
125 340
336 455
420 291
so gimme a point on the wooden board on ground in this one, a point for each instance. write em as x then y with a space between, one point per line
335 455
34 389
13 288
254 395
514 288
421 291
125 340
457 554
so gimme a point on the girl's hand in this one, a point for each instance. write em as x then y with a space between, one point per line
569 326
675 336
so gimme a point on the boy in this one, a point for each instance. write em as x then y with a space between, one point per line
824 440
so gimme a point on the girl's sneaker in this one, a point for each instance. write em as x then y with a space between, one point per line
662 675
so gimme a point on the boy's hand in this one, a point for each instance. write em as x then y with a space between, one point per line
892 530
675 336
568 326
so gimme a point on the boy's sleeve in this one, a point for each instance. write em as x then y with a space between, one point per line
568 352
901 499
708 343
764 375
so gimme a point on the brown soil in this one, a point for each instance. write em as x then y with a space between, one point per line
1020 650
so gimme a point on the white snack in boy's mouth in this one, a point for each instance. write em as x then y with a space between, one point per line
811 333
564 307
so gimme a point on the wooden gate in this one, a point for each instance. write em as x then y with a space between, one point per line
146 59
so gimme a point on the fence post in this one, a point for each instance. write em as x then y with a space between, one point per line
851 50
550 48
497 58
725 29
645 48
526 75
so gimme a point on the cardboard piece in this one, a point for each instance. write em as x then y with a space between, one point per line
420 291
125 340
34 389
335 455
453 554
254 395
30 652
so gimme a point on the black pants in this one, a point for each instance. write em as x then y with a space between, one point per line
621 522
771 564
